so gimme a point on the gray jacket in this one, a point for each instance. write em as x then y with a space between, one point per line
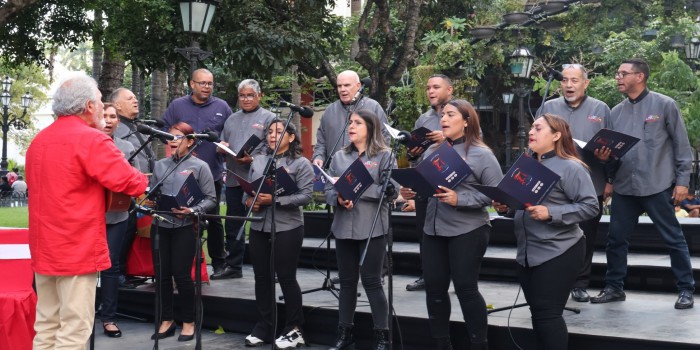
357 222
127 150
442 219
585 121
663 156
128 132
572 200
172 184
332 124
237 129
288 213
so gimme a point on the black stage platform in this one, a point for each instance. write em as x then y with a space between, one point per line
647 320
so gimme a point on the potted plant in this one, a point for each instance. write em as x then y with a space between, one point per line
485 21
550 6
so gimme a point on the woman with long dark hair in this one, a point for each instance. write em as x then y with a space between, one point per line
551 245
456 231
289 228
177 240
351 227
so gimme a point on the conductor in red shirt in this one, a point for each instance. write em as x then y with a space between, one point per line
69 166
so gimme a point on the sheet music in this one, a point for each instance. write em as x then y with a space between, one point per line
328 177
228 150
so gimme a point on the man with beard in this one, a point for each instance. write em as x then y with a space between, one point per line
439 90
205 112
586 116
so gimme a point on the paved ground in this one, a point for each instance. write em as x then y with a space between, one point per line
136 336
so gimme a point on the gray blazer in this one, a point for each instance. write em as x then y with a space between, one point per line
357 222
237 130
288 213
127 150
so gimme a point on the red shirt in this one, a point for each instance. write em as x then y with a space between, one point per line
68 166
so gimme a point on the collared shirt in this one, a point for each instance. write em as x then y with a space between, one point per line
237 130
442 219
173 183
585 120
288 213
208 116
69 166
333 122
356 223
572 200
663 155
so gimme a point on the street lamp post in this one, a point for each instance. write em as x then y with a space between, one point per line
692 51
507 100
196 18
9 119
521 67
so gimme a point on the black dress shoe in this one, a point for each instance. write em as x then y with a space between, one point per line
227 272
109 333
685 300
418 284
580 295
607 295
217 270
183 337
168 333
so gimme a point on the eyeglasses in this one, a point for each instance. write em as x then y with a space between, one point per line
622 75
179 137
247 97
204 83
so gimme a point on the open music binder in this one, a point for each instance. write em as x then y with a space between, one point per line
352 182
285 184
189 194
444 167
527 183
248 147
618 142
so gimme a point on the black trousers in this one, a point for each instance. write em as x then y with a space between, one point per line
458 259
348 253
421 207
235 247
177 248
215 232
546 288
287 249
590 230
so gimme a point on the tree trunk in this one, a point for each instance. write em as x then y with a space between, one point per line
97 46
296 98
112 76
159 98
176 82
355 10
11 8
137 87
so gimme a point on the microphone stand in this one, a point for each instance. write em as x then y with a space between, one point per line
550 77
328 281
389 239
143 145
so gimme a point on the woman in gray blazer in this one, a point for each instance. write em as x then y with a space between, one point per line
551 245
289 228
351 227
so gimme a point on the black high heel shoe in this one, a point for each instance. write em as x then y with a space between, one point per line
183 337
168 333
109 333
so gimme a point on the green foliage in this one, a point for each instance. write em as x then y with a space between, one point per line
604 88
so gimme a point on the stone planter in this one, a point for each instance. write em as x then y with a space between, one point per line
553 6
485 32
516 18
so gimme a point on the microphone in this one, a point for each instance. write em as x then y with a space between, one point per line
147 130
210 136
366 83
403 137
304 112
390 108
157 122
555 74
